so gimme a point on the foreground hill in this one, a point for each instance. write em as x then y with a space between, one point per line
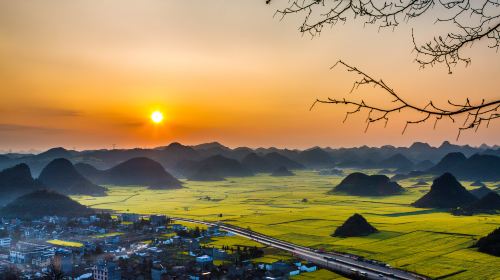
16 181
446 192
366 185
42 203
356 225
60 175
490 244
138 171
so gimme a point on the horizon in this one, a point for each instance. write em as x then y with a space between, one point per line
445 142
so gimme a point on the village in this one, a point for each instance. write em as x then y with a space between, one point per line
129 246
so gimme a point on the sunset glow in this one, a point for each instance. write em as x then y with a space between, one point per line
85 74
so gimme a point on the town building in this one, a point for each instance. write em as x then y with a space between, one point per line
5 242
106 271
25 252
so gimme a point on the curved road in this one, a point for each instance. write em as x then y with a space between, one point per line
340 263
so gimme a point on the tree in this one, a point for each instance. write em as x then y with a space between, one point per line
53 272
467 22
470 21
475 114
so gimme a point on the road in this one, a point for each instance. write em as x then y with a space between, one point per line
341 263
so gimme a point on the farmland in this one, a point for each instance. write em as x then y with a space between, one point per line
430 242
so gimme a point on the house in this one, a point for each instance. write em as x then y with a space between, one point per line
106 271
281 267
5 242
43 260
308 268
205 259
178 227
216 254
213 230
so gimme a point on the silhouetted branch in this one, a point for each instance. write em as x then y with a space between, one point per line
475 114
471 21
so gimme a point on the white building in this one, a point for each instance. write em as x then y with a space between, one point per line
5 242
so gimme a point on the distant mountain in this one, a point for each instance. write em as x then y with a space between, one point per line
421 183
490 201
4 158
481 191
316 157
478 183
87 170
257 163
268 163
60 175
138 171
277 160
411 174
423 165
478 167
210 146
205 173
356 225
170 155
281 172
42 203
447 162
446 192
213 168
55 153
368 185
331 172
397 161
490 244
16 181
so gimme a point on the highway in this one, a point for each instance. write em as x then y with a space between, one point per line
337 262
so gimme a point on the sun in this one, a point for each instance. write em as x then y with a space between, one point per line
157 117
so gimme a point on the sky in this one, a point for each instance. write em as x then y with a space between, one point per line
87 74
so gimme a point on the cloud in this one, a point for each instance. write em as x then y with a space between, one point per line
7 127
55 112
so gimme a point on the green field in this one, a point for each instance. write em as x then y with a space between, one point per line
425 241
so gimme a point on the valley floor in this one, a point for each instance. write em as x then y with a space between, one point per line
428 242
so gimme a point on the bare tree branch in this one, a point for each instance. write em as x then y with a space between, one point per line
471 21
475 114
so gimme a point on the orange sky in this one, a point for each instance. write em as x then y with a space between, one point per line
87 74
